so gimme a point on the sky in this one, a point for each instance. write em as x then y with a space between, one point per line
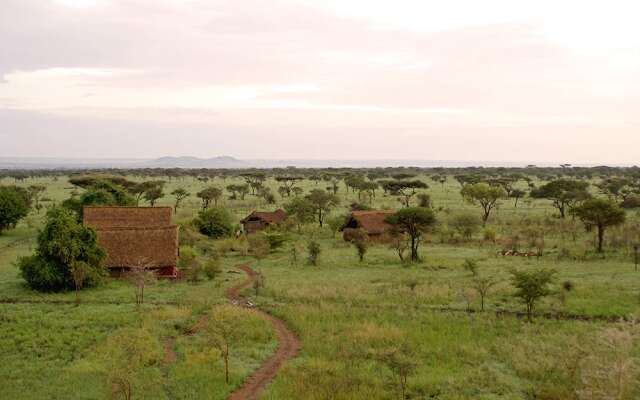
491 80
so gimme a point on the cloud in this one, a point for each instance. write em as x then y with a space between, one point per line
371 69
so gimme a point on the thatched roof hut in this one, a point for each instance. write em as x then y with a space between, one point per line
135 235
372 222
259 220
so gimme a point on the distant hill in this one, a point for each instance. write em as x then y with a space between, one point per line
195 162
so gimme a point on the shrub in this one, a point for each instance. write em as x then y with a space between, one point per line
62 243
465 224
189 264
489 235
215 222
258 245
532 286
275 239
212 269
314 252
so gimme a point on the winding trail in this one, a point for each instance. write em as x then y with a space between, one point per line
288 344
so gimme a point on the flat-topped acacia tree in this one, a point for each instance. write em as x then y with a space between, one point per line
600 214
486 196
414 221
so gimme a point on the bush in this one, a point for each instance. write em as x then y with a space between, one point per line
189 264
276 239
314 252
466 224
214 222
212 269
489 235
14 205
62 243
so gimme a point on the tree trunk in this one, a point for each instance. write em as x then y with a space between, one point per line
226 363
600 238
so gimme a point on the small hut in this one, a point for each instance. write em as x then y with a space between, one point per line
372 222
259 220
134 235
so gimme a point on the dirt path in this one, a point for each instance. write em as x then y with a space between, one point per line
288 345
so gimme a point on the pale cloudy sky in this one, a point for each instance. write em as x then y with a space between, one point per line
495 80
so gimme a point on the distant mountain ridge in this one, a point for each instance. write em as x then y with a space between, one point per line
195 162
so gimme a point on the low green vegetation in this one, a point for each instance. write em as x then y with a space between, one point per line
540 303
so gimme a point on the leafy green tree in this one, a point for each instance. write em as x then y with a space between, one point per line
484 195
600 214
209 195
322 203
139 189
288 183
224 330
414 221
564 193
335 223
215 222
301 210
404 189
152 195
35 193
62 244
531 286
180 194
14 206
238 190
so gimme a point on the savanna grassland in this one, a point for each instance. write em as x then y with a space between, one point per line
380 328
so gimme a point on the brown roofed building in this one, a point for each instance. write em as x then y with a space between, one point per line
372 222
133 235
259 220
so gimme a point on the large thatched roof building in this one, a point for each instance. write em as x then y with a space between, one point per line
136 235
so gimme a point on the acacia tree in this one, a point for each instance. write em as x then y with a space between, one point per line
139 275
301 209
600 214
564 193
208 195
288 183
35 193
482 285
404 189
153 194
322 203
484 195
180 194
414 221
255 180
224 331
532 286
236 190
140 189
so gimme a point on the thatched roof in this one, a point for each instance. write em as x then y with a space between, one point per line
373 222
125 247
122 217
135 235
272 217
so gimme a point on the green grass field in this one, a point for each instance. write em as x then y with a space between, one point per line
350 316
